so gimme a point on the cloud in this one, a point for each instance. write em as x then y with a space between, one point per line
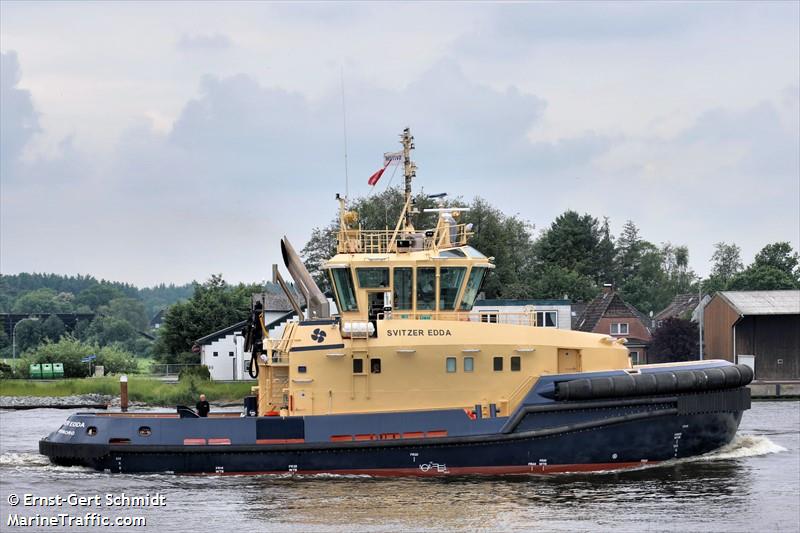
203 42
19 121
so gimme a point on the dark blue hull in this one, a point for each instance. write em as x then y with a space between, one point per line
572 437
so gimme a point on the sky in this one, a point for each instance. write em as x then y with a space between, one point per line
163 142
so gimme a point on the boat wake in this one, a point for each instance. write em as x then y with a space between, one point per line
742 446
23 459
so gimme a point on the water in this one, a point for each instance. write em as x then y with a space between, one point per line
751 485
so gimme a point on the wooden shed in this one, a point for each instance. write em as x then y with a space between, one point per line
762 327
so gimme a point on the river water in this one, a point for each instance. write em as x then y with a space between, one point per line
751 485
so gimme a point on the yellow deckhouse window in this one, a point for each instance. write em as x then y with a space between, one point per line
373 278
473 286
345 293
402 288
450 279
426 288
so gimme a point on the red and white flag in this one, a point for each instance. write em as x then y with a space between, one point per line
373 180
388 159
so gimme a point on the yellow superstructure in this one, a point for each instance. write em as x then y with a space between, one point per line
406 337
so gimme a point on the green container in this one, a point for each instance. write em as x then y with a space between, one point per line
58 370
47 371
36 371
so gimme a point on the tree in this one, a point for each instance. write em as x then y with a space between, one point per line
98 295
508 240
779 255
676 339
42 301
213 306
604 256
128 309
629 252
762 278
647 286
552 281
28 334
105 330
727 261
53 328
319 248
572 242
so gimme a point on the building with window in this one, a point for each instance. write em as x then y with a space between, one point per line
757 328
611 315
223 351
681 306
547 313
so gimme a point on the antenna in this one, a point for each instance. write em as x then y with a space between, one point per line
410 169
344 131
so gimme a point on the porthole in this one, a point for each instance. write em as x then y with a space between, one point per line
145 431
91 431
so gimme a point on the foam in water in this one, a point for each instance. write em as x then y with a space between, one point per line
743 446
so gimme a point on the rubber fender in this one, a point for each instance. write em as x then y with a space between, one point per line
716 378
746 373
666 382
654 383
602 386
686 381
624 385
701 380
646 384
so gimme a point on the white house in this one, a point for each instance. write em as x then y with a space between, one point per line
548 313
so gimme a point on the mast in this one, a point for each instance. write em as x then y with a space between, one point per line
409 168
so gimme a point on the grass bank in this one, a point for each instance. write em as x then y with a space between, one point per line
140 389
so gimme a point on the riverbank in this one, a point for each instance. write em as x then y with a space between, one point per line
100 391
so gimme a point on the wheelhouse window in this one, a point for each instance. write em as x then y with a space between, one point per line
358 366
426 288
402 289
474 283
619 328
375 366
469 364
497 363
373 278
547 319
450 365
450 279
634 357
345 294
516 363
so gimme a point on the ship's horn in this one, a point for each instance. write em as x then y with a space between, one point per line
318 306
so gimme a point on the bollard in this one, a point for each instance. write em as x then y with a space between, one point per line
123 393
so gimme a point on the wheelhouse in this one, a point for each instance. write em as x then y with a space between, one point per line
413 285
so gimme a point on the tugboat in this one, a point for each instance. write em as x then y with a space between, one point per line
407 379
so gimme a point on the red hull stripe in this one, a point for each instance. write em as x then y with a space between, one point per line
280 441
455 470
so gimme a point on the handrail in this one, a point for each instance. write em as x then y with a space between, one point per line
521 390
385 240
525 318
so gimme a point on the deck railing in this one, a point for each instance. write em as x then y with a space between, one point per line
356 241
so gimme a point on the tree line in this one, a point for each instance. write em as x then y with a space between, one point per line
574 256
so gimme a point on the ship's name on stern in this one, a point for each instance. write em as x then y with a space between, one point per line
418 333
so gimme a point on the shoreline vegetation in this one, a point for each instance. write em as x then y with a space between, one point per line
141 390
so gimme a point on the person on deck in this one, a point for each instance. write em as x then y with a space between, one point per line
202 406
